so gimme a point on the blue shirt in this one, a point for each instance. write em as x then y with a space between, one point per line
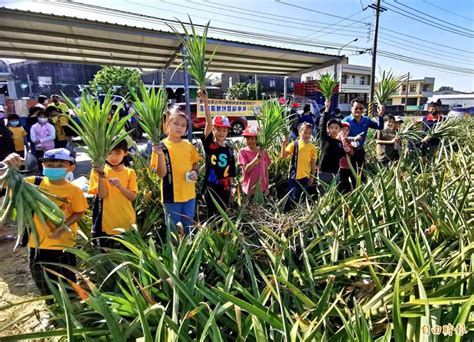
362 126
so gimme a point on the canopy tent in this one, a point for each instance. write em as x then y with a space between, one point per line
48 37
39 36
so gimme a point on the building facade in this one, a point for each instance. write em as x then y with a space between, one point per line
413 94
354 81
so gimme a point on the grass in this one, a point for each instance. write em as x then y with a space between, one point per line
374 265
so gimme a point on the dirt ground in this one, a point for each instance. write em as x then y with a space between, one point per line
16 285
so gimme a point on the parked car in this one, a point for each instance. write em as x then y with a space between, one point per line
237 123
461 112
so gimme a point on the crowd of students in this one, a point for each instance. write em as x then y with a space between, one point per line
175 160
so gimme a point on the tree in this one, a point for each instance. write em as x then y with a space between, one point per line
121 80
445 88
244 91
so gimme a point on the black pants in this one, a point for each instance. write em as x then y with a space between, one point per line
102 240
38 257
345 181
296 189
39 154
222 197
60 143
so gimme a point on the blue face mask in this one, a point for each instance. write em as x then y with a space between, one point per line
14 123
55 174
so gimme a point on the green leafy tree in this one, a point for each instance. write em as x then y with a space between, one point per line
445 88
244 91
120 80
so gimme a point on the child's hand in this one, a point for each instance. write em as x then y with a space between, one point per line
381 110
13 160
59 231
158 148
98 169
327 104
202 94
114 182
396 140
193 175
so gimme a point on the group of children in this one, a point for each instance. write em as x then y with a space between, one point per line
176 162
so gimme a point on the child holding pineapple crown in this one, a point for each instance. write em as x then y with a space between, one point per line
175 161
254 163
220 161
303 163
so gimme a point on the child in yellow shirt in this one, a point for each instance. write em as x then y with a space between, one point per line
52 240
303 163
175 161
18 134
115 187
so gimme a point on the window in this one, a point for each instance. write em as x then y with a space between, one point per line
292 84
425 87
272 83
309 78
362 80
404 88
403 100
412 88
344 79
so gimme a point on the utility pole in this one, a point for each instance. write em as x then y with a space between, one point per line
256 87
378 9
406 92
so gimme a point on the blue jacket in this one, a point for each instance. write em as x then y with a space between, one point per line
362 126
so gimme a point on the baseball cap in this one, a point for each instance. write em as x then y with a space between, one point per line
345 124
58 154
221 121
250 131
398 119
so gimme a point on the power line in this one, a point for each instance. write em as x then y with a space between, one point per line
337 22
273 16
427 63
279 39
424 40
253 35
446 10
432 17
422 20
384 41
312 10
418 45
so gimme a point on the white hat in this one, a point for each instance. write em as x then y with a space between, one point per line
398 119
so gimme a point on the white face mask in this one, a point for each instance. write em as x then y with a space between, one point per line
43 120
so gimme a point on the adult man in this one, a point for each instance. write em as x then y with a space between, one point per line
42 100
432 118
360 125
59 105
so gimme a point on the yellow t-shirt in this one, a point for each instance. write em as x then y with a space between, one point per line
75 203
117 211
306 153
61 106
59 123
182 156
19 135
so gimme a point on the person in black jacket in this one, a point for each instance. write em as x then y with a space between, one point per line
6 138
332 148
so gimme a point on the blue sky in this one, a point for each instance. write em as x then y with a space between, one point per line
346 22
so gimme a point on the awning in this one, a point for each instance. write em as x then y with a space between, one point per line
47 37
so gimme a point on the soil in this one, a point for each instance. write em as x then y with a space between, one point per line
16 286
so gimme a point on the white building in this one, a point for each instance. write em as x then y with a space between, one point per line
354 81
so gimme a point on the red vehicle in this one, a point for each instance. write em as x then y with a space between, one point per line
237 123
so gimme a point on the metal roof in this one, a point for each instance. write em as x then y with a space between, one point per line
39 36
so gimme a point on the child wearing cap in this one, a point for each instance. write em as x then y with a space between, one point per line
53 240
115 188
332 148
303 163
220 161
388 144
345 171
18 134
175 161
254 163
